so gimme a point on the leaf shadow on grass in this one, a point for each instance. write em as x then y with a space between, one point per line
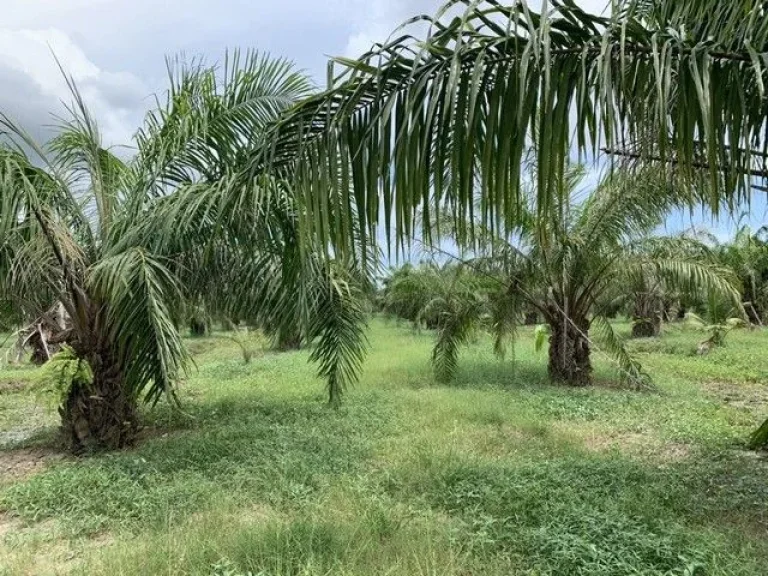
283 452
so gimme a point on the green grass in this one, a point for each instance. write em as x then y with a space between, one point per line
497 473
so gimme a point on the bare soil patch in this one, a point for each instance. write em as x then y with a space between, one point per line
20 464
643 444
752 397
13 387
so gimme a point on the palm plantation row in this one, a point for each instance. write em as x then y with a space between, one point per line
254 198
574 275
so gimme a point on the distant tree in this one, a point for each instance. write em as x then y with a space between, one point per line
747 256
649 296
565 266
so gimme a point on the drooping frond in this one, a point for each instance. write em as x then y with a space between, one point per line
629 368
627 206
94 173
336 324
457 324
141 300
700 277
506 308
759 438
418 124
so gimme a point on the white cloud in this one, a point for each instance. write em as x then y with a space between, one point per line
28 67
377 19
115 49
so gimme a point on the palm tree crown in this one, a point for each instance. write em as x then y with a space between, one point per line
105 238
418 124
570 267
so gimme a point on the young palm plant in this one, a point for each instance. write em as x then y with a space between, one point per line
123 245
62 216
450 299
565 267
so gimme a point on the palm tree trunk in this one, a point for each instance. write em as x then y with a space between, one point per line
198 326
647 315
101 414
288 339
569 352
646 327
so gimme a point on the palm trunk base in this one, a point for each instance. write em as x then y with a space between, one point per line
99 416
646 328
289 340
198 327
569 355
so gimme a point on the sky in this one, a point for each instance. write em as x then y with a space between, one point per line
116 49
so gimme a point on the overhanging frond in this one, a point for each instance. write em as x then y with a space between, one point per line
422 124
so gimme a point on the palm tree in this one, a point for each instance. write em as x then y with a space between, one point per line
649 296
450 299
417 124
124 245
244 255
747 255
565 266
60 224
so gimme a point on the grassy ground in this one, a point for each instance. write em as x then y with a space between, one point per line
499 473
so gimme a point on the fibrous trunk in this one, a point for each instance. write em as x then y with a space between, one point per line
100 414
198 326
289 338
646 327
648 313
569 360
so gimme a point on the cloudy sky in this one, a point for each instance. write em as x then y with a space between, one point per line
116 49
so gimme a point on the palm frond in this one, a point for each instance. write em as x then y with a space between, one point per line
422 123
337 325
759 438
540 337
629 368
506 308
700 277
214 116
142 302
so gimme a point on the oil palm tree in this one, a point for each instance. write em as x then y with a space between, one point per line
242 253
451 299
62 216
747 255
418 123
564 267
106 239
647 295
